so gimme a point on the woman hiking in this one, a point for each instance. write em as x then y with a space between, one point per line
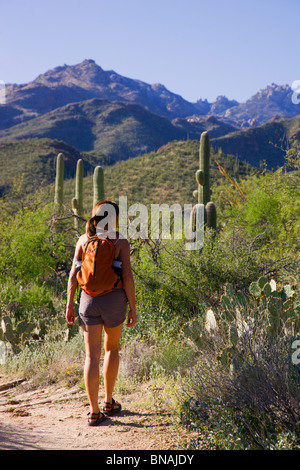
104 309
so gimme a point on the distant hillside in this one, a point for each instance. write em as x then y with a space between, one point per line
267 142
73 83
119 130
165 176
33 161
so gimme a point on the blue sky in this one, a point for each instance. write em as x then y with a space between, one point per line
196 48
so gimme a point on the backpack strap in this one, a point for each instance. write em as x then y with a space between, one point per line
116 241
84 246
97 239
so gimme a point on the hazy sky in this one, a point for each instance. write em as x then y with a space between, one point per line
196 48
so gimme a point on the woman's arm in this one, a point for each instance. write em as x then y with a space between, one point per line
72 284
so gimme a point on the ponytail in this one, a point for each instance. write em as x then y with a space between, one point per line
91 225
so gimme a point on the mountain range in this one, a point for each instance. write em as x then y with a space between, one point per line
96 110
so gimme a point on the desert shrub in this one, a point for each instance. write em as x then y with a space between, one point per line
30 250
269 211
173 284
142 360
244 388
49 361
135 360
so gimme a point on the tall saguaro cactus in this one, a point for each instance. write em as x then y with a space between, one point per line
98 182
202 175
79 186
202 178
77 201
59 181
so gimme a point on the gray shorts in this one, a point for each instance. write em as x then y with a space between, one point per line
108 309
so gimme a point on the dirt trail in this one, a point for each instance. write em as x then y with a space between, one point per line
55 418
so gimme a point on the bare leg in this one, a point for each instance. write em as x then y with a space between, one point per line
111 360
92 338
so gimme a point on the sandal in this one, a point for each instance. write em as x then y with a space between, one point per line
96 418
112 408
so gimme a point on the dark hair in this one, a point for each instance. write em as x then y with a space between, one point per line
91 225
94 221
101 203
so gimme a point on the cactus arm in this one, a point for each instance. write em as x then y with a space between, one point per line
200 177
211 215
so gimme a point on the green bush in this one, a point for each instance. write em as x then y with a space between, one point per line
174 284
270 211
30 250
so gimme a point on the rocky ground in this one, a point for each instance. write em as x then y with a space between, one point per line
55 418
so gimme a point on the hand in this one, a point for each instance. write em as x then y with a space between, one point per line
70 315
131 318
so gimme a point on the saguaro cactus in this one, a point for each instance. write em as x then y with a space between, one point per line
77 201
98 182
59 181
202 178
79 187
202 175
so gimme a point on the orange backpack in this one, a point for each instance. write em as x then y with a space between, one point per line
96 275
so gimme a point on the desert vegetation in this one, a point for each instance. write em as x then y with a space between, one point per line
217 327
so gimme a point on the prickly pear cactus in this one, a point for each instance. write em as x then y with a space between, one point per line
15 334
275 312
7 333
278 306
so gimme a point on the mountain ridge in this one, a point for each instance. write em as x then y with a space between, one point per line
274 100
96 110
65 84
86 80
